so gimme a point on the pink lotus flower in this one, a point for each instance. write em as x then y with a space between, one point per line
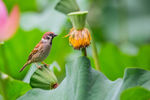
8 24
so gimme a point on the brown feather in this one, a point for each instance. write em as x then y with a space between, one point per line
24 66
34 51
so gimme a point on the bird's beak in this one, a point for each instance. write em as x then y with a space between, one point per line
54 35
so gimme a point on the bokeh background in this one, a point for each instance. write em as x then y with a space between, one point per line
121 31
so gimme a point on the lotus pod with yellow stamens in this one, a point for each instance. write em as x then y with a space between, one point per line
79 36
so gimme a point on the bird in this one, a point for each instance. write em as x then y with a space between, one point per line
41 50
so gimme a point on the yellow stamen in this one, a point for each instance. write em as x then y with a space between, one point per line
79 38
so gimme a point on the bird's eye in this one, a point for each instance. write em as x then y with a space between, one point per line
51 35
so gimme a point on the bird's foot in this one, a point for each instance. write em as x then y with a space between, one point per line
47 65
39 67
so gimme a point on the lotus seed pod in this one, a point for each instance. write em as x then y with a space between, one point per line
43 78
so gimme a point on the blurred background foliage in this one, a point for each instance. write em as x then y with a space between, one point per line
120 27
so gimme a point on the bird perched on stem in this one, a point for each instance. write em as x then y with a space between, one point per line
41 50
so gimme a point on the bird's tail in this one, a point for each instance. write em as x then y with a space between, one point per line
24 66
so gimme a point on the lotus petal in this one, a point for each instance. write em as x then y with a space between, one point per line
10 28
3 14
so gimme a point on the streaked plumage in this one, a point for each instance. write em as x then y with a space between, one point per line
41 50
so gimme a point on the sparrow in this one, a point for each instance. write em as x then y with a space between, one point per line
41 50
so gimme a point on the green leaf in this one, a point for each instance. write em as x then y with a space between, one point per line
136 93
1 98
67 6
84 83
30 5
113 62
143 56
11 89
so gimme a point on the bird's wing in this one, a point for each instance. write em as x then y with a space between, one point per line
35 50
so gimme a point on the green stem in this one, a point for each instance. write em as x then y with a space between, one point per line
94 50
2 88
123 29
6 69
84 51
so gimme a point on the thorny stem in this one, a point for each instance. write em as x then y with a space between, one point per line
94 50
